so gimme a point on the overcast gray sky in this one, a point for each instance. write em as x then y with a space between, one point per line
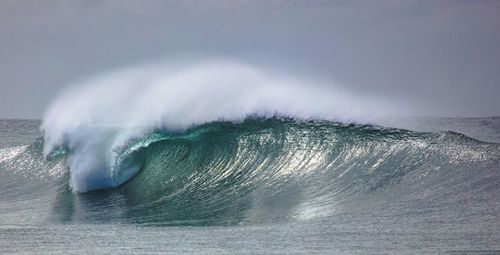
441 57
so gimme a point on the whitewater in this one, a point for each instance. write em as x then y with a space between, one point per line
222 157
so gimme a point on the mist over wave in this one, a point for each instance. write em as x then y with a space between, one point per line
96 120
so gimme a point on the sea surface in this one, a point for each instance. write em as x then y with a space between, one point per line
258 186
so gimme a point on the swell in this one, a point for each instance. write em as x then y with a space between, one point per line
268 170
262 170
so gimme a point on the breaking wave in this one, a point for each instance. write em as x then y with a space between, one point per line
97 120
225 143
266 170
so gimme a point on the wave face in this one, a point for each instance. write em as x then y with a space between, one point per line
97 120
268 170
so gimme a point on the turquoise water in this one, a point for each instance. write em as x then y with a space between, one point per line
262 186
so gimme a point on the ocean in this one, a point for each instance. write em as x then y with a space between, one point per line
270 185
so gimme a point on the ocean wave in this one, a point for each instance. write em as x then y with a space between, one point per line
258 170
97 119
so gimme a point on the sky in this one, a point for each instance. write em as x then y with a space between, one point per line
440 57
